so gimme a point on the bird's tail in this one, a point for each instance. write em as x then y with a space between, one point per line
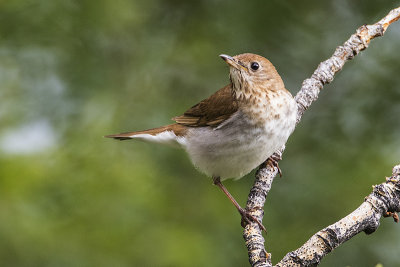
169 134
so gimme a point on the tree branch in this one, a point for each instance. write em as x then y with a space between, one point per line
384 199
308 93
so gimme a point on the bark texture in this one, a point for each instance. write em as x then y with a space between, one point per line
366 217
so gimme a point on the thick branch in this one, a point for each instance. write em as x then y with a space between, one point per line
305 97
383 199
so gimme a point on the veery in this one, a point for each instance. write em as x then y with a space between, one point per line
237 128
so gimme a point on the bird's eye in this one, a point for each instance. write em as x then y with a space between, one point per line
254 66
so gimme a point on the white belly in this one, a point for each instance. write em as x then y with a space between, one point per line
235 148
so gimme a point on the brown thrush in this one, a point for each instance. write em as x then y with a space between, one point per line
237 128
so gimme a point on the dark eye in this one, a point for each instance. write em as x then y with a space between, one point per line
254 66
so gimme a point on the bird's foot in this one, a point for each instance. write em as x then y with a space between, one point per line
247 218
273 162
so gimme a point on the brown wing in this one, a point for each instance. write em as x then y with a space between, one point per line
211 111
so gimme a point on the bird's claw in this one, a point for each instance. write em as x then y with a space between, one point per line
247 218
273 162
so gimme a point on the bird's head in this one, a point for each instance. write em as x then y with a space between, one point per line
250 73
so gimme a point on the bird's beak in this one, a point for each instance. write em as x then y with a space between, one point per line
233 63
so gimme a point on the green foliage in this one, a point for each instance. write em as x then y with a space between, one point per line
73 71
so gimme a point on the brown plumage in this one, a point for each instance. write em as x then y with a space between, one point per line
221 105
211 111
237 128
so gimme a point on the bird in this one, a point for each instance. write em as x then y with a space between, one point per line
237 128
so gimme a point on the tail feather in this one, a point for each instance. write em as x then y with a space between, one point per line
122 136
155 134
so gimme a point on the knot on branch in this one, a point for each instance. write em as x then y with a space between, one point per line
368 32
385 197
393 184
330 239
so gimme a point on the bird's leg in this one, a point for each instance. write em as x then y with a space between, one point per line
273 161
246 216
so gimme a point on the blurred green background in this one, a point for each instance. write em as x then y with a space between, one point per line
72 71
